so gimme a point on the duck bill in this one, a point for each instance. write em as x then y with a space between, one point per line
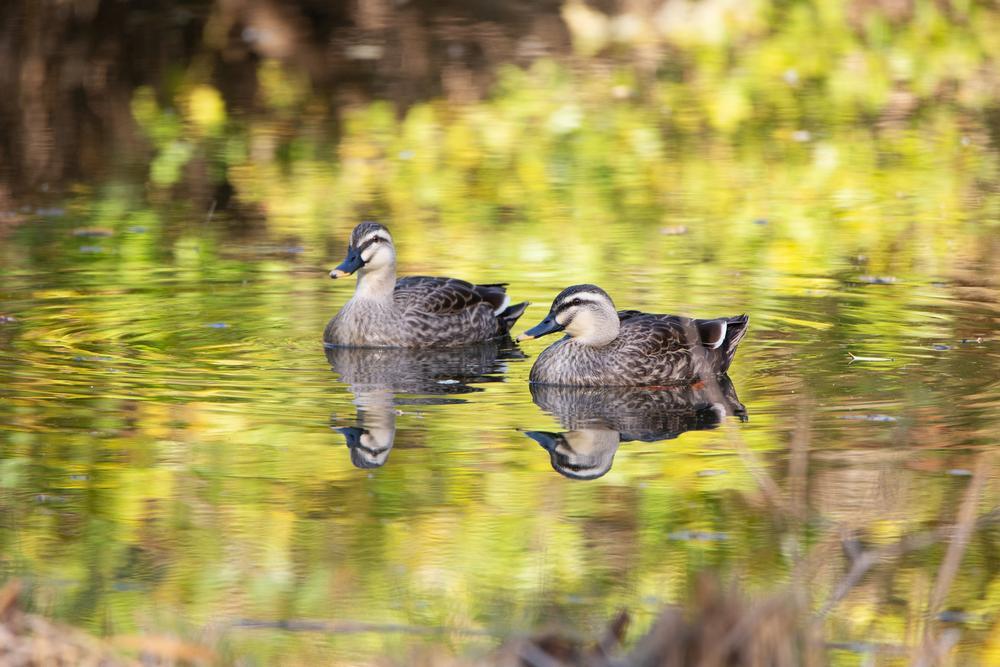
351 263
543 328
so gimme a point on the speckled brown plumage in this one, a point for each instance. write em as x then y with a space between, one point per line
649 350
424 312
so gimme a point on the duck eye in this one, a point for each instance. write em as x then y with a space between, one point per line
576 302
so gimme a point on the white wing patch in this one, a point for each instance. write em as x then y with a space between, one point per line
713 333
503 306
722 335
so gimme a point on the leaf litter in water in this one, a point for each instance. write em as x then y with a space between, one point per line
93 232
870 418
877 280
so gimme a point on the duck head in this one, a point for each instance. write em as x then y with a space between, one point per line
370 250
585 312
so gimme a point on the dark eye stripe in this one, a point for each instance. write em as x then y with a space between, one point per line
569 304
374 239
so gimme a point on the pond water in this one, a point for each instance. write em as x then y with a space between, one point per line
179 453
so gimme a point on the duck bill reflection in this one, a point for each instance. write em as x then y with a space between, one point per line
543 328
583 454
546 439
363 455
351 263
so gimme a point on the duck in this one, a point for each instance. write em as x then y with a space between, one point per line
607 347
415 311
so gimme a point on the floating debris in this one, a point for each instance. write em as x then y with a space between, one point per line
50 212
93 358
711 473
966 341
91 248
138 229
448 382
942 347
217 325
877 280
960 472
698 536
760 221
801 136
7 319
855 357
94 232
674 230
870 418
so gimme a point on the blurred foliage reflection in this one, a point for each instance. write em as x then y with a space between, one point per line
167 460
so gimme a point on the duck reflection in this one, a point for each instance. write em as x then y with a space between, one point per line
599 419
383 379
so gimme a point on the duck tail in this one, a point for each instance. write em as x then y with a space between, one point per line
736 328
510 314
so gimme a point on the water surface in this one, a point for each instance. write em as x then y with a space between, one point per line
179 454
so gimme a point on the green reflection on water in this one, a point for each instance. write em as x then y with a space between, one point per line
168 462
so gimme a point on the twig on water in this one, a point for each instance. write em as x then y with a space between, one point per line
855 357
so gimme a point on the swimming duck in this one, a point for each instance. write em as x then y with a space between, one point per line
605 347
416 311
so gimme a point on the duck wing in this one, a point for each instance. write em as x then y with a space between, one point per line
652 334
427 294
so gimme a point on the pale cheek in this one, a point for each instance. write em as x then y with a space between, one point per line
376 258
579 323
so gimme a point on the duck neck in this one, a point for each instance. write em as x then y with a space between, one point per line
376 284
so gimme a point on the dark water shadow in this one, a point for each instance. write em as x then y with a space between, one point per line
382 379
598 419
